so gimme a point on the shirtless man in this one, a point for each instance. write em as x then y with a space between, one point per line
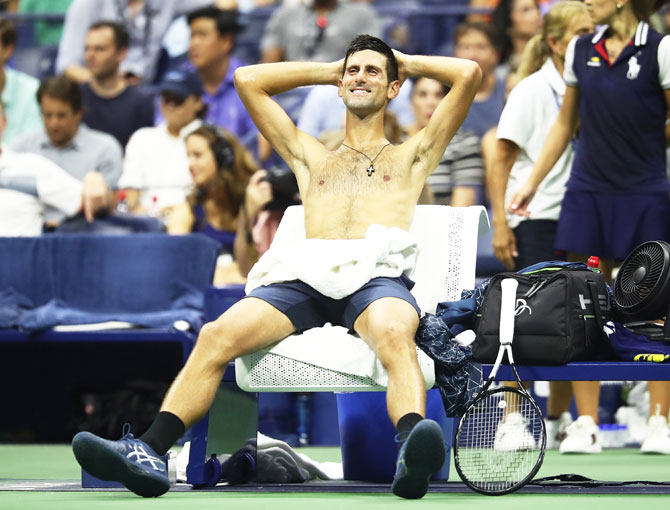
362 183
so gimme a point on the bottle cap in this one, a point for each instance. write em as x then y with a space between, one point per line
593 261
122 194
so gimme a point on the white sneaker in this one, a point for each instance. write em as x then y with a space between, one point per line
556 430
513 435
582 436
658 436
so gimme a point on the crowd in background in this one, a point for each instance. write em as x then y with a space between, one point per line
139 121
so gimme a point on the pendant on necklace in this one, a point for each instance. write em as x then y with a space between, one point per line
370 170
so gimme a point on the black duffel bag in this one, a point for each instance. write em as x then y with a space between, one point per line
560 310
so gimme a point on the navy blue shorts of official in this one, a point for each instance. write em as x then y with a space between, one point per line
307 308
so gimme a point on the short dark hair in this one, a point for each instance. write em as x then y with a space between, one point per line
8 34
121 37
62 88
368 42
485 28
226 20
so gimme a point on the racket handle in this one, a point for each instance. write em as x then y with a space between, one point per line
507 304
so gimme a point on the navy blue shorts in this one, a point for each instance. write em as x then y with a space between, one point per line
307 308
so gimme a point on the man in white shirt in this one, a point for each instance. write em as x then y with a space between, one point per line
28 184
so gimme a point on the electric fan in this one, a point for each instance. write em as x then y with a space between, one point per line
642 289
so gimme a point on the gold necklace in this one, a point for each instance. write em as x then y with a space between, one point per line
371 168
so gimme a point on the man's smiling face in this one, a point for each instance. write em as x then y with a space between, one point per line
364 86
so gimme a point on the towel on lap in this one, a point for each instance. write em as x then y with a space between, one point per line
337 268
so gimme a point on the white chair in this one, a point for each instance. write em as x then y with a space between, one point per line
314 360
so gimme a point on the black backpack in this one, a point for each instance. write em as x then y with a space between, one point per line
560 312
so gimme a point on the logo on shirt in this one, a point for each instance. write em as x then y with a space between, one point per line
593 62
633 68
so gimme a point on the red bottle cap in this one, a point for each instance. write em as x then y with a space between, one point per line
593 261
122 194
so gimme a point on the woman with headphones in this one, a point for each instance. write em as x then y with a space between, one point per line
229 192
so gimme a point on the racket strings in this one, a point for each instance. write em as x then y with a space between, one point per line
501 441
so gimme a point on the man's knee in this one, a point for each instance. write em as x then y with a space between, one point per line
395 341
218 338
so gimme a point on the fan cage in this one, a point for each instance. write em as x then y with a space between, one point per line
644 293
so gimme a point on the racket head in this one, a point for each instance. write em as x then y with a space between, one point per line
499 466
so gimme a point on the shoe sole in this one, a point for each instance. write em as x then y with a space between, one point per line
424 454
100 458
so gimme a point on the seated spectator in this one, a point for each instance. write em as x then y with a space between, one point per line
229 194
145 20
477 41
110 104
319 32
210 54
28 184
515 21
155 168
89 156
459 177
18 89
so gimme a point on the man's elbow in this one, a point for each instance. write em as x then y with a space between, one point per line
472 74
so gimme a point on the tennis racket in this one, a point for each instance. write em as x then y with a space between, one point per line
501 439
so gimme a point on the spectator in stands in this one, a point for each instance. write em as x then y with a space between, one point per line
210 53
47 33
110 104
515 21
90 156
155 168
319 32
229 194
477 41
145 20
18 89
617 195
531 110
28 184
459 177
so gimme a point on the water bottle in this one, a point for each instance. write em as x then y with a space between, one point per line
122 204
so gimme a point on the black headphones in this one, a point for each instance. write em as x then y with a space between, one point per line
224 155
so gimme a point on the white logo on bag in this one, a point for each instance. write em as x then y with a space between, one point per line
633 68
522 306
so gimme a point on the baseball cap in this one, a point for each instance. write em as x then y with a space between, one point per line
182 83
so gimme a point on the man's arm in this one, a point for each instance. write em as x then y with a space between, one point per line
258 83
463 76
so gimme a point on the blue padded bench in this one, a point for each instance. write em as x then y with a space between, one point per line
151 280
587 371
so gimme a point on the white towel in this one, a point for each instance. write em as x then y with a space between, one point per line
338 268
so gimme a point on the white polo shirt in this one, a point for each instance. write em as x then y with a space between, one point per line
28 183
156 164
530 112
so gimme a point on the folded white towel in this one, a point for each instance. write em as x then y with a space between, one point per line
337 268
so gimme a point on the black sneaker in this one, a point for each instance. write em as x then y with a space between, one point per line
420 455
129 461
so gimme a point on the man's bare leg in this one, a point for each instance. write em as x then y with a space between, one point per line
388 325
247 326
